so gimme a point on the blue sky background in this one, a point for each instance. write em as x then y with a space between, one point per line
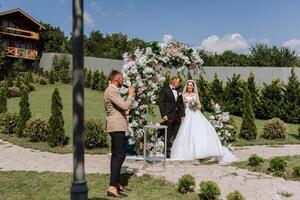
215 24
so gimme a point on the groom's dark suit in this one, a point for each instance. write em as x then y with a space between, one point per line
172 108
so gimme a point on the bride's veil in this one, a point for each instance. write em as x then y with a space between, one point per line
195 89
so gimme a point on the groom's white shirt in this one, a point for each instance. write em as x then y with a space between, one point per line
174 93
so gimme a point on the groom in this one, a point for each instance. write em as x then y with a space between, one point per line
172 110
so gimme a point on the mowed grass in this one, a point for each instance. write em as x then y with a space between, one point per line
40 104
292 161
49 186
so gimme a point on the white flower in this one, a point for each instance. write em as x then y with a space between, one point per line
148 51
211 117
168 39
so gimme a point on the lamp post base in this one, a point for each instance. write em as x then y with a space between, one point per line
79 191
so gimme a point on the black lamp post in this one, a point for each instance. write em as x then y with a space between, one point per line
79 189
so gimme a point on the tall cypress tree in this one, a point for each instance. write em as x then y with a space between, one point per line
248 129
203 90
254 91
216 90
233 95
88 79
103 81
25 113
95 80
51 77
10 80
3 98
56 122
291 99
270 104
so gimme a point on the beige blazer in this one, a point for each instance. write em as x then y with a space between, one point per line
115 107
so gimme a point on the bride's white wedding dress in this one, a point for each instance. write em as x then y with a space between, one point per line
197 139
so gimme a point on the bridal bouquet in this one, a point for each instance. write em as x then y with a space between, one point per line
194 104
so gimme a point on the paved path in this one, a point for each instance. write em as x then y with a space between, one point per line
255 186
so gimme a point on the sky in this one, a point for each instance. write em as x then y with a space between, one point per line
214 25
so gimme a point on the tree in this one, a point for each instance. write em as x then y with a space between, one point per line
262 55
3 98
102 82
10 80
270 104
291 99
19 65
254 91
94 45
203 90
52 40
56 122
61 67
248 129
25 113
88 79
95 80
233 93
51 77
216 90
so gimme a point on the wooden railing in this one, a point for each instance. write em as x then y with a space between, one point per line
19 33
20 53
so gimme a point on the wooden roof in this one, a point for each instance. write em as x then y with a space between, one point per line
23 13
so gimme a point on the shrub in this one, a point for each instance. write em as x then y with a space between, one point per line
10 80
248 129
56 122
275 129
9 121
51 77
3 99
102 82
216 91
88 79
186 184
61 65
31 87
271 100
291 99
254 91
233 93
296 172
94 134
19 82
95 80
254 160
209 190
14 92
24 113
43 81
236 195
37 130
203 90
277 165
299 131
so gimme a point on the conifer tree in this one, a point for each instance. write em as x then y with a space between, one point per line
24 112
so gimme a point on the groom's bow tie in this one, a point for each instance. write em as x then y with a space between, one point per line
173 88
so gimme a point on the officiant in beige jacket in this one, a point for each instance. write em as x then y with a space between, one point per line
116 126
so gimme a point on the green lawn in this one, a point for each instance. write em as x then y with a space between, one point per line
40 102
292 161
50 186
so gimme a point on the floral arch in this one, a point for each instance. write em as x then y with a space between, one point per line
146 69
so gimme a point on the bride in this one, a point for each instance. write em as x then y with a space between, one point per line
196 137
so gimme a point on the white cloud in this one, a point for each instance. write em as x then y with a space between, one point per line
234 42
293 44
89 20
